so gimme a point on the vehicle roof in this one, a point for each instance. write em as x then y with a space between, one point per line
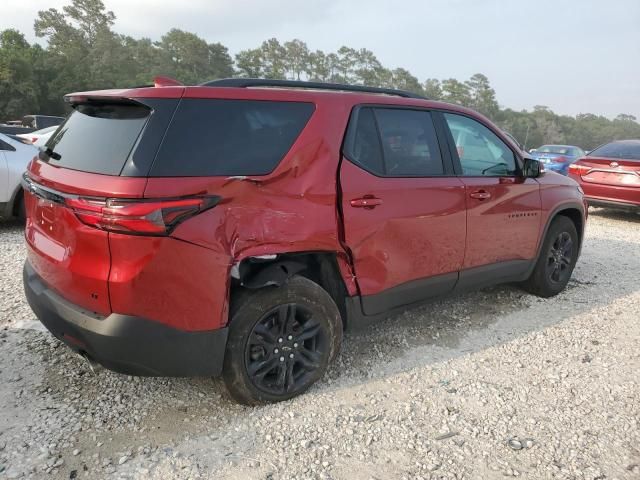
631 140
270 93
557 145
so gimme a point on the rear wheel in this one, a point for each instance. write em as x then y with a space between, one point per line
557 259
281 341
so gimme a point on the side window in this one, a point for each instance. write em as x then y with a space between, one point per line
409 143
366 150
480 151
392 142
217 137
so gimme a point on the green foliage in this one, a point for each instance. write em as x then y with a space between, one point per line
84 53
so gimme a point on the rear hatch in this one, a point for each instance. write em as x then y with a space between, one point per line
67 185
608 171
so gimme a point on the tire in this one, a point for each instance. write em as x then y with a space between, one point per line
281 341
557 259
21 212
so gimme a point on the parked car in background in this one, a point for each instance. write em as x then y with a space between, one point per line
15 155
237 227
39 137
557 158
610 175
30 123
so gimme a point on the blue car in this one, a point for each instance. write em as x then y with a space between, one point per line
557 158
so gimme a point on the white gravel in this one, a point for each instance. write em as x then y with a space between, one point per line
490 384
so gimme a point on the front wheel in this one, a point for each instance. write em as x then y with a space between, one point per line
281 341
557 259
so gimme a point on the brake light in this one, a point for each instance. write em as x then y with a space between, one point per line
141 216
559 159
578 169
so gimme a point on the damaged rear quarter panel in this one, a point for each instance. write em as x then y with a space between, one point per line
292 209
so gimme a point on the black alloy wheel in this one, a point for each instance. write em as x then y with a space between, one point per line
557 259
285 349
281 340
560 258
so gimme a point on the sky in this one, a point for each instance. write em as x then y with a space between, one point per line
574 56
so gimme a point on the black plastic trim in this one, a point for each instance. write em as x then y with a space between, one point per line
124 343
414 291
495 274
362 310
553 214
261 82
145 150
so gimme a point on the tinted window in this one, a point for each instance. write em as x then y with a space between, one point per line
625 150
393 142
555 149
98 138
480 151
6 146
409 143
366 150
229 137
44 122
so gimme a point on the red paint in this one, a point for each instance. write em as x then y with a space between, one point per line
503 219
417 231
395 229
608 179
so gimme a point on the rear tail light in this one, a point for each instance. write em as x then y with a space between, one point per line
142 216
560 159
578 169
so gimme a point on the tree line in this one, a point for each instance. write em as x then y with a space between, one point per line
84 53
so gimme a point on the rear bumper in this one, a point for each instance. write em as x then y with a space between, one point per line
617 204
124 343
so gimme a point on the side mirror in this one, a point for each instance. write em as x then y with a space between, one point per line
532 168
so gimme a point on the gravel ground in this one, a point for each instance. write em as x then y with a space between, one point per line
489 384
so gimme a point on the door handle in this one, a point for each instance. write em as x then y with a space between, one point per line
480 195
368 202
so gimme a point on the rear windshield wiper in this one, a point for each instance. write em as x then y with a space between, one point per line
46 153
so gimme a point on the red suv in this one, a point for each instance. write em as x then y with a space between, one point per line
237 227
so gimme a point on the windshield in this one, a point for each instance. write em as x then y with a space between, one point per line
629 150
554 149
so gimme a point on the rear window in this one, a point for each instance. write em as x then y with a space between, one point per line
624 150
555 149
229 137
98 138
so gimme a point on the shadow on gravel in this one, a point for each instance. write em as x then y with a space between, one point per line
467 323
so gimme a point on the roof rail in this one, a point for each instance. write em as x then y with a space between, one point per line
261 82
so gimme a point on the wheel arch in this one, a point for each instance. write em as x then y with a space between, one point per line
574 212
269 271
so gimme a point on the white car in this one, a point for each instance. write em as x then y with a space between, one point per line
39 137
15 155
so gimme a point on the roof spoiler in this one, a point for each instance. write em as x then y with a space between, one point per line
164 81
